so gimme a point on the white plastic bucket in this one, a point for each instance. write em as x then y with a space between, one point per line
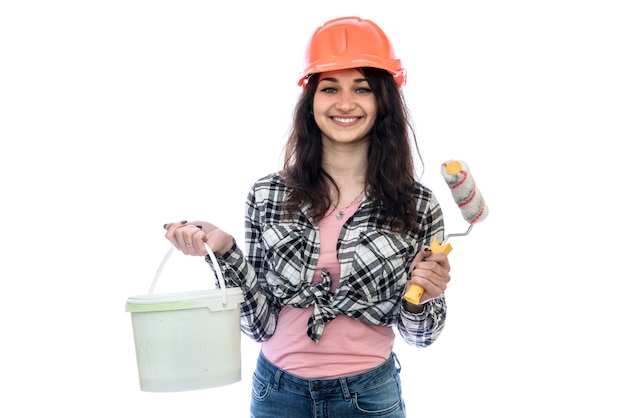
189 340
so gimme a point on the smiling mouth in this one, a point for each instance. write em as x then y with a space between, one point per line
345 120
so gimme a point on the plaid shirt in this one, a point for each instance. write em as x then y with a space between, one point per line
282 253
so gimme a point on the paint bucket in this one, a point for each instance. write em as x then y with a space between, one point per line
188 340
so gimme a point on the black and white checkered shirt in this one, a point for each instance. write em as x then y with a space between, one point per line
283 250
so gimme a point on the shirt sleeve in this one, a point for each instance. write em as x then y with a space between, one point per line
422 329
259 310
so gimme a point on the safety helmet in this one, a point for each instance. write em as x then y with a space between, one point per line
350 42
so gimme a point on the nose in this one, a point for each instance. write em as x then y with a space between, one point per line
345 101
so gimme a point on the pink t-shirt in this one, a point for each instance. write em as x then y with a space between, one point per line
347 346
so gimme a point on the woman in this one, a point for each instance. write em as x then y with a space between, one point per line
334 240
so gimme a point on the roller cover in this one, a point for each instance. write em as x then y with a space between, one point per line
464 191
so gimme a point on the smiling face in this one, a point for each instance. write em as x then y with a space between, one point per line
344 106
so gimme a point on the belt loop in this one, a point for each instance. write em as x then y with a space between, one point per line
277 376
344 388
397 361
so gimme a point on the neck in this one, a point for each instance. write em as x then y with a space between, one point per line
351 185
347 165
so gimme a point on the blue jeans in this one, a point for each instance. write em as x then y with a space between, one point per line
375 393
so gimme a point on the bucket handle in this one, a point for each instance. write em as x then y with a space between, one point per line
216 266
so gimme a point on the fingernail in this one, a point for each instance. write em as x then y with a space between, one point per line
199 226
183 222
164 226
427 249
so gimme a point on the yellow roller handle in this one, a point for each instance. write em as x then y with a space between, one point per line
415 292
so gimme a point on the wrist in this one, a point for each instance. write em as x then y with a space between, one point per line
225 245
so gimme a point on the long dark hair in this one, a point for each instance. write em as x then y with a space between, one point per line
390 175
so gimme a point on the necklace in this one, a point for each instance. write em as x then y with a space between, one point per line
341 212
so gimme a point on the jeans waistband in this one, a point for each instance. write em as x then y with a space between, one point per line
279 378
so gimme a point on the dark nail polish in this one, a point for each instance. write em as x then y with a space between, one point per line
199 226
427 249
164 226
183 222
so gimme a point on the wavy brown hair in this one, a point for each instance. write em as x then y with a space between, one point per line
390 175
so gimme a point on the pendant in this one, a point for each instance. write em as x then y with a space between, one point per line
339 214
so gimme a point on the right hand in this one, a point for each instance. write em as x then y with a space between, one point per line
431 271
190 238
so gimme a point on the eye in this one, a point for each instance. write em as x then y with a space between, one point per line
362 90
328 90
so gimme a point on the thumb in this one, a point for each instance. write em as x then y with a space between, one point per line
423 253
426 252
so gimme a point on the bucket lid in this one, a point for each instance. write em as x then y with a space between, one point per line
211 298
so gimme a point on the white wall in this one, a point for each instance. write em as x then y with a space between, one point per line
119 116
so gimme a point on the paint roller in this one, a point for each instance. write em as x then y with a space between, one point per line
468 198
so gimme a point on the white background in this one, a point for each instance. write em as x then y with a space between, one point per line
119 116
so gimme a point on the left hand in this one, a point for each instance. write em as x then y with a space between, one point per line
431 271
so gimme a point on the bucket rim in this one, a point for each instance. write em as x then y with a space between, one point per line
212 299
189 295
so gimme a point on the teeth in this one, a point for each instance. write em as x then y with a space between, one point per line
345 120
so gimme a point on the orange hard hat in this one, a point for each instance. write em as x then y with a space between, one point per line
350 42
